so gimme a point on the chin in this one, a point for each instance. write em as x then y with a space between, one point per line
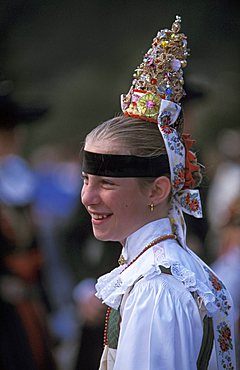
105 238
101 237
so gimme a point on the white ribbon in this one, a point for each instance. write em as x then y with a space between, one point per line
183 200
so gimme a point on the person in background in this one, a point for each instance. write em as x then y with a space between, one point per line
58 177
25 343
87 258
225 184
165 305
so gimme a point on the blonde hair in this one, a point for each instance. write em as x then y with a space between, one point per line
133 136
130 135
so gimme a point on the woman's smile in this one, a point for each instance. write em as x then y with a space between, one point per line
98 218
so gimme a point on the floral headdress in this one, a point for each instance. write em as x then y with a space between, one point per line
159 76
155 94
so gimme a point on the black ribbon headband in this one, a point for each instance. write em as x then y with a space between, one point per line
114 165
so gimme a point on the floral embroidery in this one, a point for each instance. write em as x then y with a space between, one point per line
190 202
225 343
178 178
224 339
217 284
177 147
165 119
219 290
167 129
223 329
223 304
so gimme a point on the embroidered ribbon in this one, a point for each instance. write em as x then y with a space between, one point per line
188 201
183 200
223 319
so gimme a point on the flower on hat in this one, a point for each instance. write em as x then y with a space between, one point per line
148 105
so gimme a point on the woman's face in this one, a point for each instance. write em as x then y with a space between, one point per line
117 206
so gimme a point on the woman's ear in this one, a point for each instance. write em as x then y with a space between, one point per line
160 190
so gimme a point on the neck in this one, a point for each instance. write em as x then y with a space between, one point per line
153 216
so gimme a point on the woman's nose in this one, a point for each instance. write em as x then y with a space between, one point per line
89 195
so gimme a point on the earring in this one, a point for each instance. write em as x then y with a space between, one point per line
151 207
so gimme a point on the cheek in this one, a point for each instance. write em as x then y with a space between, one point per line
82 195
130 205
136 205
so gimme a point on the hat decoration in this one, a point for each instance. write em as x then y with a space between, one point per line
159 76
155 94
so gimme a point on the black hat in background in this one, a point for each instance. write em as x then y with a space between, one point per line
193 92
13 113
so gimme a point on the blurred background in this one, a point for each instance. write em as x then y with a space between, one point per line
72 60
79 56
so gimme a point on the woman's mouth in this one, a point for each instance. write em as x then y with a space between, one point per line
99 218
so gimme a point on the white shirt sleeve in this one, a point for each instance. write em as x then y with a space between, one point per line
161 328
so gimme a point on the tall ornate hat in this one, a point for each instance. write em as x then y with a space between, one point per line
159 76
155 94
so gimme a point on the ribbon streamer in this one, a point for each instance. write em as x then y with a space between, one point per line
183 200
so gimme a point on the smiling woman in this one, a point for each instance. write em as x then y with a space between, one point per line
139 174
117 203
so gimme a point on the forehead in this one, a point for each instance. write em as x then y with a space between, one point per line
105 147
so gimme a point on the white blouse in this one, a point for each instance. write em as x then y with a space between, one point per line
161 322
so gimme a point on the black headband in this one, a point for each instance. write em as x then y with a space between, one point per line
114 165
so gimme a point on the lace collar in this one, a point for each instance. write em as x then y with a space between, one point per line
184 265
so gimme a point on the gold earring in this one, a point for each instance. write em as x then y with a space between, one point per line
151 207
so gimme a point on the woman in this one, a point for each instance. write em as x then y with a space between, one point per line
165 304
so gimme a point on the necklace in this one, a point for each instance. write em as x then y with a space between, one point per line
122 261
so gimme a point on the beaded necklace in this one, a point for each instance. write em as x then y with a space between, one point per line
122 261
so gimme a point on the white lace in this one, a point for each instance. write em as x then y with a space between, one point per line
109 284
112 286
188 278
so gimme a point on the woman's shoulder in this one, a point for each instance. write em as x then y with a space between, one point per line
161 292
182 263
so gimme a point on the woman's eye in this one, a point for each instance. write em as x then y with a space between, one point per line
107 183
85 179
